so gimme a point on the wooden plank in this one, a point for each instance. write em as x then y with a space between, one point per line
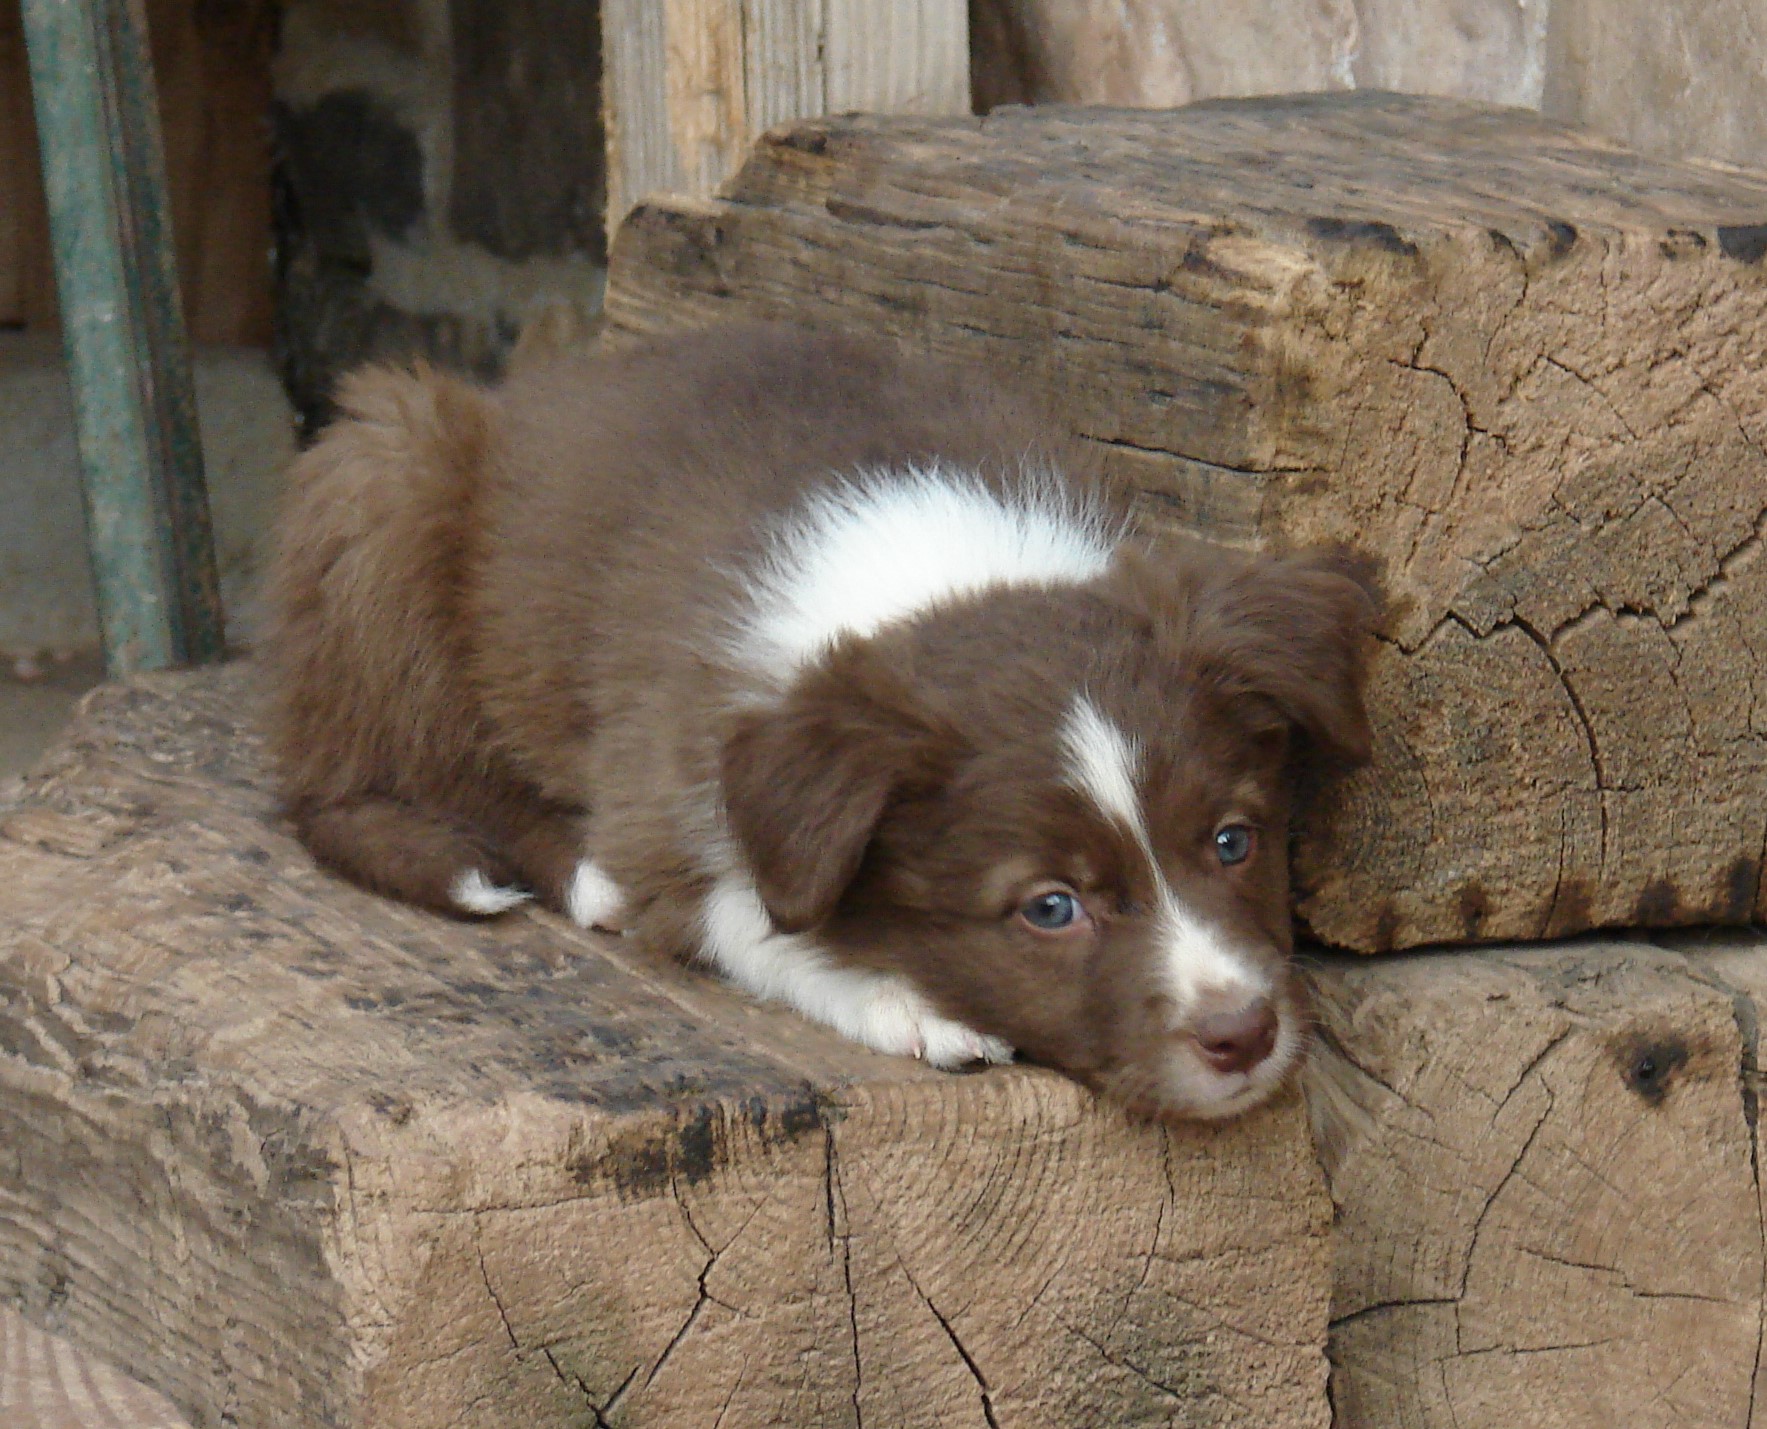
147 511
1546 1168
1518 366
298 1156
688 84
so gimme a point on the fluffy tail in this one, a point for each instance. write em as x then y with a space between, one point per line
373 728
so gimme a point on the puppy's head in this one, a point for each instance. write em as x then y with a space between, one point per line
1064 814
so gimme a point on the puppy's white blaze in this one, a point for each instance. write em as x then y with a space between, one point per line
593 900
883 1012
1197 960
865 555
1104 764
475 893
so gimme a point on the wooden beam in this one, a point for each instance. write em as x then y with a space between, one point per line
104 175
1546 1170
299 1156
1515 365
689 84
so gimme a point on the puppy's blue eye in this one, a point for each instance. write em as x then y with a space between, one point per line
1051 912
1234 843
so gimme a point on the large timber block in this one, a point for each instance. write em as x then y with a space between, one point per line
1545 1164
1522 367
296 1156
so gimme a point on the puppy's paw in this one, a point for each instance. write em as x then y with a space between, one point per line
896 1018
473 892
593 900
950 1044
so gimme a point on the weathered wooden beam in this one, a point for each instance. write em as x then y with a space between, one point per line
104 176
1518 365
1547 1175
297 1156
689 84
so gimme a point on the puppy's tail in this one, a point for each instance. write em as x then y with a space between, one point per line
362 642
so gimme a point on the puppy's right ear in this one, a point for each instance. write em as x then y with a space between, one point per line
806 782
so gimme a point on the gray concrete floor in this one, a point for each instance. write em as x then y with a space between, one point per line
34 709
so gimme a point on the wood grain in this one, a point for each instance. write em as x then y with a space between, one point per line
689 84
1548 1186
1518 365
294 1155
46 1383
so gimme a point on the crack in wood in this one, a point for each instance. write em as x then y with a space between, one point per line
957 1344
833 1188
1602 785
1382 1306
1472 1245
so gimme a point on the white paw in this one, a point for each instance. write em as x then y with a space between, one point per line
594 900
950 1044
473 892
894 1018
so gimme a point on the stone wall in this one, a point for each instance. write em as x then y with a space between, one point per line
439 178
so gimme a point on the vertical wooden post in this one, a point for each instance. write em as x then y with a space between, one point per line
104 176
687 85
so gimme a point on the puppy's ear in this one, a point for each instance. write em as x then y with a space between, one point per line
807 781
1293 632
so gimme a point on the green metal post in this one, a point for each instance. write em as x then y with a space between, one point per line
147 518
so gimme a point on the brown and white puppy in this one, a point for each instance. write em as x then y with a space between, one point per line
831 668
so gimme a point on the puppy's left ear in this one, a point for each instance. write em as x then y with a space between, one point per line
1293 632
807 781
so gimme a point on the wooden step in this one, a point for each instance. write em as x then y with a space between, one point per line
1522 367
297 1156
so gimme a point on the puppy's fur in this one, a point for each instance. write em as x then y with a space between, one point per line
832 668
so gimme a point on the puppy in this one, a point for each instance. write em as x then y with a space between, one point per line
834 669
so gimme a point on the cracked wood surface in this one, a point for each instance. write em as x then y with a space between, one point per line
1521 366
1545 1164
297 1156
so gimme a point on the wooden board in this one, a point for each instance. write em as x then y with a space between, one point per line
212 70
688 84
1547 1176
296 1156
1523 368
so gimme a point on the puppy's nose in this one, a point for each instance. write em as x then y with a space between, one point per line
1237 1041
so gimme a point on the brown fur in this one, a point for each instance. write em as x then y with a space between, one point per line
491 613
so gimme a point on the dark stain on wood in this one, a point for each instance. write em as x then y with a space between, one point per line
1648 1065
1474 907
1658 904
1369 232
1561 238
1386 927
805 140
647 1160
1740 882
777 1124
1745 242
1572 908
848 212
1680 243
